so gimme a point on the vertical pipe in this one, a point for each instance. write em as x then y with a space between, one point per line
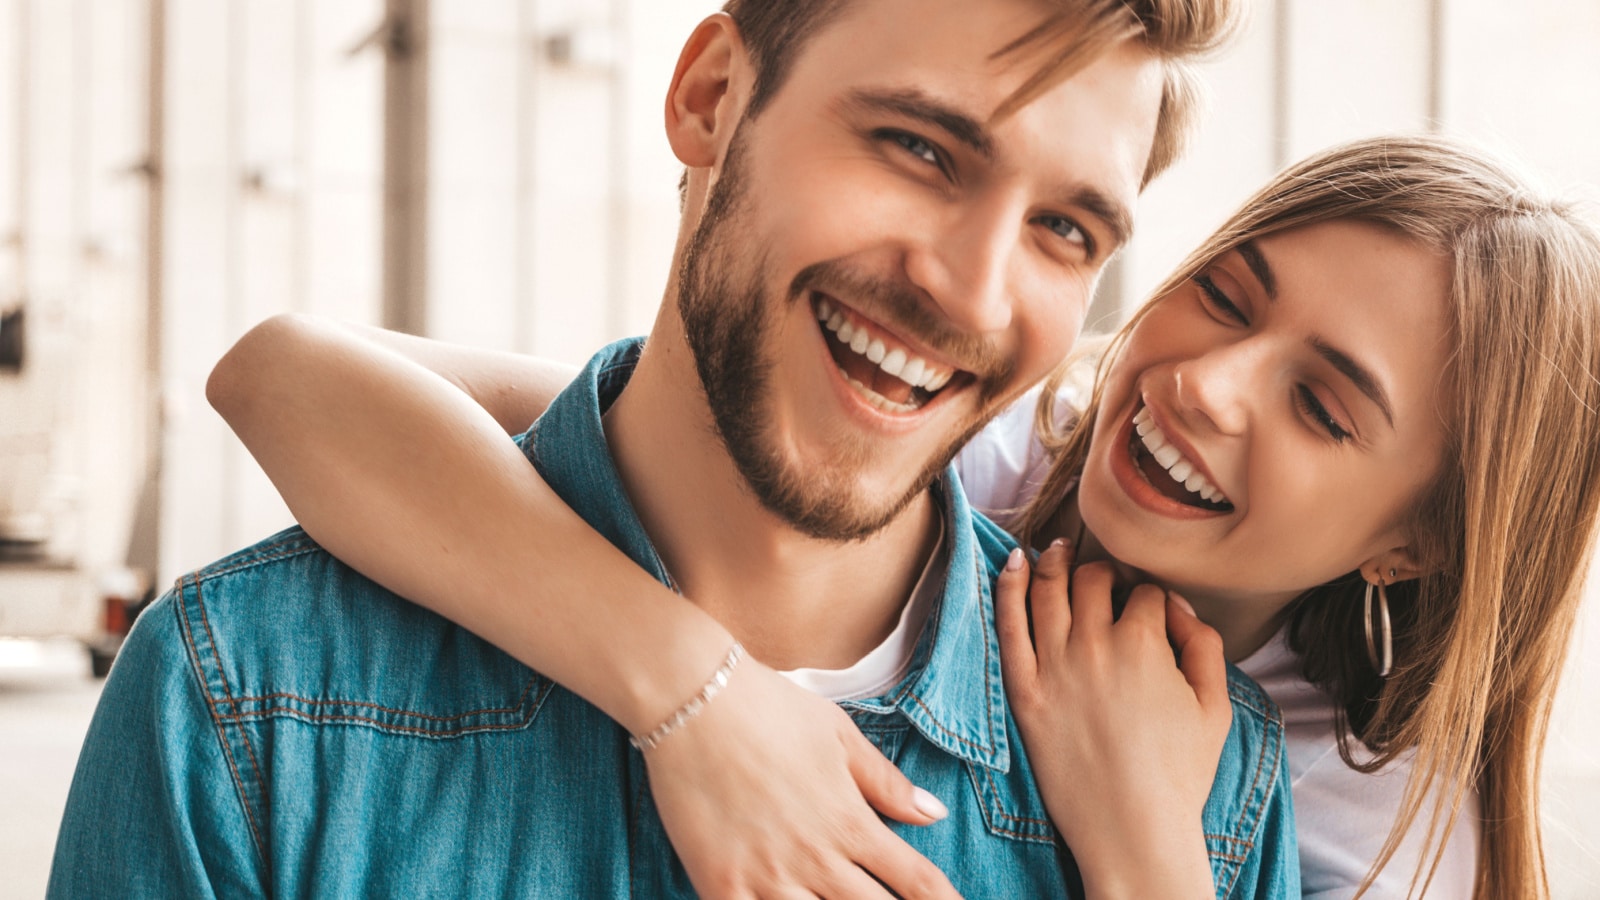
300 249
617 219
1282 82
235 71
524 313
1438 45
24 139
405 170
159 548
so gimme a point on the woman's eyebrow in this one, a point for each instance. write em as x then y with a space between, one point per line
1258 266
1358 374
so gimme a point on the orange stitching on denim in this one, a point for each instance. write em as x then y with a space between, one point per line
217 720
216 655
514 707
988 690
298 547
410 729
988 774
1274 722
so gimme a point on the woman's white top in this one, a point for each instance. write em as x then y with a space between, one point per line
1342 817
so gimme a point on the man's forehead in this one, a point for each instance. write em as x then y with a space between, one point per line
1093 128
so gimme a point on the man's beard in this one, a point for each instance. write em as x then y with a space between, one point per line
728 320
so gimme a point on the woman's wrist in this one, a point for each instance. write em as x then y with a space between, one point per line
661 665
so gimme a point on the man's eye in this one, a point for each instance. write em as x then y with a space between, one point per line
917 147
1069 230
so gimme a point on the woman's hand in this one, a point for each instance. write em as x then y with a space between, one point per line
770 791
1124 743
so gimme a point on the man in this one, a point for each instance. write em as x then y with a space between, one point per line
945 178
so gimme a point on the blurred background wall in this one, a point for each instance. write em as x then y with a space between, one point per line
494 172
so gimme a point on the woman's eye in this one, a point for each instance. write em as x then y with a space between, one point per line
1218 300
1307 400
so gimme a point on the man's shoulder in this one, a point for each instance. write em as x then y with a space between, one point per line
1249 815
284 629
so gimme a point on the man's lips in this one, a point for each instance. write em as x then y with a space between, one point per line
888 372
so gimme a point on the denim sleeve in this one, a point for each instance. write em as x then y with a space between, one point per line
153 810
1274 870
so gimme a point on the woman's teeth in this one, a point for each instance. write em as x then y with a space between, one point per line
1168 457
897 363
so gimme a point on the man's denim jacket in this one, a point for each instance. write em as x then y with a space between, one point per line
278 725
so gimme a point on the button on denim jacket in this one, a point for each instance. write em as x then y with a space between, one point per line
278 725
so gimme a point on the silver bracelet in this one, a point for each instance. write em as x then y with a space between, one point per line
719 680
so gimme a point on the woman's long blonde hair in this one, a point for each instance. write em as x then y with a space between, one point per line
1479 644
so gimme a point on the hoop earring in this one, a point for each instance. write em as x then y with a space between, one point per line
1384 664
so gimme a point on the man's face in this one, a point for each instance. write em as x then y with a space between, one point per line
882 266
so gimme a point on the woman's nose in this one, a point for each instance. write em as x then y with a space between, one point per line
1217 386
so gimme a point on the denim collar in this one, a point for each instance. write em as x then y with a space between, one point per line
952 693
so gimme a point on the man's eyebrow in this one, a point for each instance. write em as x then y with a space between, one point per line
1363 379
912 103
1258 266
1115 215
915 104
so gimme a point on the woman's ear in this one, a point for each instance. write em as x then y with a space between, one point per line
709 89
1395 565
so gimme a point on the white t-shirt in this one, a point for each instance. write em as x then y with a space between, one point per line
1342 817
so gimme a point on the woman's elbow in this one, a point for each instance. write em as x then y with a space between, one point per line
244 373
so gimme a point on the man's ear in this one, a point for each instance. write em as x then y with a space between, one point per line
1395 565
708 92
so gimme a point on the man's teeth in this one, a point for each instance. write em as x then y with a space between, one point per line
913 370
1168 457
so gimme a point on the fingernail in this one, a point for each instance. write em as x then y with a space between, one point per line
928 804
1013 563
1058 542
1182 603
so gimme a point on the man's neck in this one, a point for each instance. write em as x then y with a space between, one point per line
793 601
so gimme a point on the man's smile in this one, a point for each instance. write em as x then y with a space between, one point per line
889 374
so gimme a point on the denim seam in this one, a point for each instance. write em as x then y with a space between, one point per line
297 546
187 629
988 686
284 695
989 802
1272 737
334 718
227 689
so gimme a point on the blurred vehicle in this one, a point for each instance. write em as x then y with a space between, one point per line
61 573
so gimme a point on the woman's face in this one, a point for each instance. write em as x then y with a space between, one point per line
1295 388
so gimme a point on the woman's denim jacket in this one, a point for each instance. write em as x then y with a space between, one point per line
279 725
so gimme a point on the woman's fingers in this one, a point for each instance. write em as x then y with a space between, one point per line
1146 610
1048 598
1091 599
899 868
1018 662
1200 656
886 788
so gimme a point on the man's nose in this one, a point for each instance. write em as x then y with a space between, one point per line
966 266
1217 387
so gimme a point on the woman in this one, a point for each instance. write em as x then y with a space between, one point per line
1354 430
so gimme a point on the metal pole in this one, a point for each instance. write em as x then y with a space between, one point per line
405 169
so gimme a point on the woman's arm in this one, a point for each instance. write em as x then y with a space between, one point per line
398 473
386 462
